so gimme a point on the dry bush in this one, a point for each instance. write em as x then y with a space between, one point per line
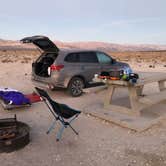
23 56
141 56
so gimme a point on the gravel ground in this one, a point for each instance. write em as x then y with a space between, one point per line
99 143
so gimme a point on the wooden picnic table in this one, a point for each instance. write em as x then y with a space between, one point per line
137 100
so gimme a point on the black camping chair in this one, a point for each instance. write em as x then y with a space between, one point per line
61 112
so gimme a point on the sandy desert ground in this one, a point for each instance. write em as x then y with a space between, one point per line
99 143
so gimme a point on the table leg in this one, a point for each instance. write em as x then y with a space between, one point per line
135 105
108 98
140 90
161 85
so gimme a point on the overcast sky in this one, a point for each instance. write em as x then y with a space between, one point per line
115 21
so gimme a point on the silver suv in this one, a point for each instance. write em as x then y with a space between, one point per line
68 68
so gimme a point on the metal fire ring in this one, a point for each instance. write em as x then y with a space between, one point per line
19 141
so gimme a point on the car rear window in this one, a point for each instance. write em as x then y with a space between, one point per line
82 57
72 57
88 57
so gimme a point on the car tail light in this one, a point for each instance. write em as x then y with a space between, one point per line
56 67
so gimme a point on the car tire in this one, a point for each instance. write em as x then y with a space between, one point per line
75 87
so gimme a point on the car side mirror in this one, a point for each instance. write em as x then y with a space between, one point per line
113 61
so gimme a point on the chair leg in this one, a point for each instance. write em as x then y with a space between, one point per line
51 127
59 134
73 129
71 126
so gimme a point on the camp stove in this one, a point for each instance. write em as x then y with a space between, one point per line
13 134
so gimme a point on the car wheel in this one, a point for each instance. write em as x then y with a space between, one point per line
75 86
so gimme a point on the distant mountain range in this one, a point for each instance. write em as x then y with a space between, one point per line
111 47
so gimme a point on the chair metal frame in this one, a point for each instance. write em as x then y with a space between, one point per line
57 117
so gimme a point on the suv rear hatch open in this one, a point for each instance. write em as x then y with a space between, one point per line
43 42
40 68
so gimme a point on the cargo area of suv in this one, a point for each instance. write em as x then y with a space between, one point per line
49 55
42 66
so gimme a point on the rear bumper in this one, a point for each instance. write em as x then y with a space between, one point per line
41 84
57 79
47 84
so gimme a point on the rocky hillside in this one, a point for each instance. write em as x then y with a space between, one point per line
12 45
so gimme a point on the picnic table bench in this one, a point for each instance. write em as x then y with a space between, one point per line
138 101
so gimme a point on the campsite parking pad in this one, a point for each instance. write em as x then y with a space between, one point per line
148 118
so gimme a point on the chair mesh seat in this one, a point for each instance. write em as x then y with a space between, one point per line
68 112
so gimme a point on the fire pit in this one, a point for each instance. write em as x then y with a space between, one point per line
13 134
